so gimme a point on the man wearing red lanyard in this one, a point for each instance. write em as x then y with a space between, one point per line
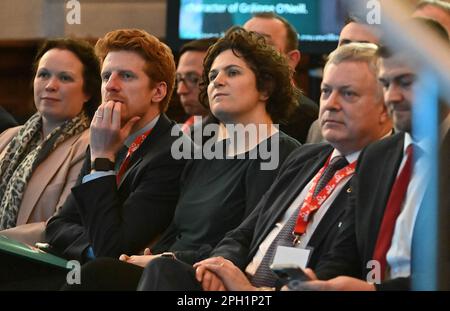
375 245
130 181
298 219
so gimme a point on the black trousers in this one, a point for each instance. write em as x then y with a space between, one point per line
167 274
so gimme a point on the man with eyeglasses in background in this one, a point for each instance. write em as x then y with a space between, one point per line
189 74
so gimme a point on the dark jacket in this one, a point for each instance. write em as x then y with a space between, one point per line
126 218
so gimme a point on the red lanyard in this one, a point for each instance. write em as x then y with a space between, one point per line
133 147
311 204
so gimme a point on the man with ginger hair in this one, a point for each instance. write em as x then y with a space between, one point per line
129 184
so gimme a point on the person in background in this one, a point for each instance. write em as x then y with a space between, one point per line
189 73
436 10
40 161
373 250
282 35
353 31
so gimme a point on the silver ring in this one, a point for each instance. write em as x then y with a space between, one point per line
98 115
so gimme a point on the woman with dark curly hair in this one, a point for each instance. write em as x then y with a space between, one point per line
247 85
270 69
40 161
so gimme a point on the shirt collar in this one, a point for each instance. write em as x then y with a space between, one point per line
424 144
147 127
352 157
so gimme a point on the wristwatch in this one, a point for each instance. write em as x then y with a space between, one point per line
102 164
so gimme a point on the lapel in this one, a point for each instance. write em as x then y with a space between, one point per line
295 185
146 150
372 212
42 176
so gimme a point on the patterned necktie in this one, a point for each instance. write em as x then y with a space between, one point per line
263 275
393 208
336 164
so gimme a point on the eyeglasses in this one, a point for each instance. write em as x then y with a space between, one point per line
191 79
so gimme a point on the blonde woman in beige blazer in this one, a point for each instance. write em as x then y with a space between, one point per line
40 161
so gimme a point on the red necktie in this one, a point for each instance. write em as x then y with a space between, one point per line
392 211
133 147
